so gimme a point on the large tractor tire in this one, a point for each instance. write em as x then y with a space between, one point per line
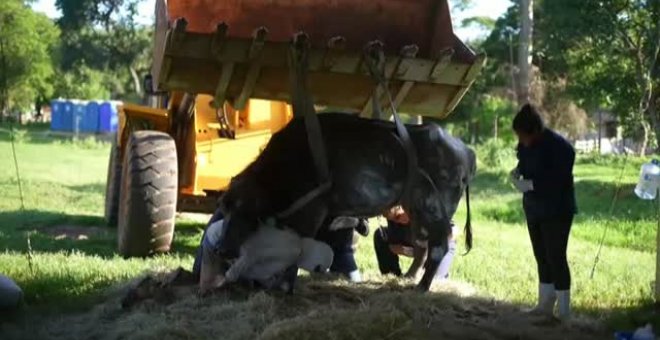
113 185
147 202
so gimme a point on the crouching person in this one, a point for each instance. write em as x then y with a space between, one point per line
269 259
396 239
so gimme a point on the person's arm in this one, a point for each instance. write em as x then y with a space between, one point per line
515 175
237 269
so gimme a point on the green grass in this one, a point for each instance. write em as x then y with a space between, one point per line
64 183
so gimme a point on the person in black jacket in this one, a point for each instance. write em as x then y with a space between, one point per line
544 175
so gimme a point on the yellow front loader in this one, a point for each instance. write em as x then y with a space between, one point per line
221 83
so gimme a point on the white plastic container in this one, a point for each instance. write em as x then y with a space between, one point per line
649 178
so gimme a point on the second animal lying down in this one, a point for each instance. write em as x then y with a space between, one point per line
271 256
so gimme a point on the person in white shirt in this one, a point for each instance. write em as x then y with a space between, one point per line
269 258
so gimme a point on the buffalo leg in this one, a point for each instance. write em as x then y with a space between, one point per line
430 223
437 249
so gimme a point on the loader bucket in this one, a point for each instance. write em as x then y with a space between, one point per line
238 49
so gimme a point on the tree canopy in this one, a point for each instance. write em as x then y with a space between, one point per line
104 35
27 43
609 50
588 55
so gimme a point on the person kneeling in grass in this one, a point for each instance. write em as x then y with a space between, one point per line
269 258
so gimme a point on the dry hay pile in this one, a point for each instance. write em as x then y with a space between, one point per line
321 308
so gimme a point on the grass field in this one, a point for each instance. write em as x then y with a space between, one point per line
72 258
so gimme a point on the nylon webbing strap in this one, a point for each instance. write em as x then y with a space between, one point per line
301 103
303 200
375 58
303 107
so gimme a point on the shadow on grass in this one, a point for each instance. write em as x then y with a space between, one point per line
632 317
91 188
24 220
53 232
64 238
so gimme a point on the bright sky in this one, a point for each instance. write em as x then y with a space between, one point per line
490 8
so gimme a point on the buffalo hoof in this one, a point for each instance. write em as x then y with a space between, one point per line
421 288
424 285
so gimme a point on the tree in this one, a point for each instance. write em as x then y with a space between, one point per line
622 36
487 107
82 82
496 92
525 50
27 42
558 109
104 35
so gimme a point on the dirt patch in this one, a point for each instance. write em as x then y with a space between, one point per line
321 308
73 232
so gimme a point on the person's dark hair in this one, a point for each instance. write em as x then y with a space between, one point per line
528 120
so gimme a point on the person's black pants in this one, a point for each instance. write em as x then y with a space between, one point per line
549 240
388 262
341 242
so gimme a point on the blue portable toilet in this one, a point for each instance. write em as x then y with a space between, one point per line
79 110
108 119
91 120
56 109
67 116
